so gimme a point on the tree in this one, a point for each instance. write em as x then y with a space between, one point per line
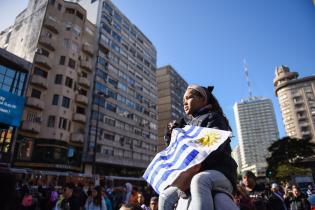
286 154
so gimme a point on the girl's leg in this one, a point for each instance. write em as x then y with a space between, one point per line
168 198
201 186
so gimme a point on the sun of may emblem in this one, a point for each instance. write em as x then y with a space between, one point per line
209 139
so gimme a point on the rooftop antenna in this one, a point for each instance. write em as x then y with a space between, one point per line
247 79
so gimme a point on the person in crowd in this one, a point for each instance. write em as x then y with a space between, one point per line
133 199
108 202
242 199
140 201
128 192
217 171
95 201
81 195
8 195
154 203
28 200
276 200
310 190
130 207
53 197
297 201
71 202
255 191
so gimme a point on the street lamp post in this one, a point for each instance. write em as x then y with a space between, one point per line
99 94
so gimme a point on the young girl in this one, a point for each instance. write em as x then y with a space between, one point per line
218 171
96 200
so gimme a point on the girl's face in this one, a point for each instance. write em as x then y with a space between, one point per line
94 192
192 102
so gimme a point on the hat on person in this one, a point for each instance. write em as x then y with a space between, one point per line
274 185
249 174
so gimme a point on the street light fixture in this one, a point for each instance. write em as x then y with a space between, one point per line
99 95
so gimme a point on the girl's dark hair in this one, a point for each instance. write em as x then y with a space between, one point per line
97 200
215 106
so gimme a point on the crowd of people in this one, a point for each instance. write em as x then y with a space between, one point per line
248 195
251 195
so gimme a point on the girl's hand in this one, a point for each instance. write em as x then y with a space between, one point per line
184 179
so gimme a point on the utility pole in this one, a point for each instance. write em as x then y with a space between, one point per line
247 79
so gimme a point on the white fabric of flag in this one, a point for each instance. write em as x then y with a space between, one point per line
189 146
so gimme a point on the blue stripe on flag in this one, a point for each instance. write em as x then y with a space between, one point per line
165 157
183 165
167 165
169 156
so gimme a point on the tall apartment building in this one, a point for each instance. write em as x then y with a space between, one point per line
171 89
58 39
297 102
256 130
124 112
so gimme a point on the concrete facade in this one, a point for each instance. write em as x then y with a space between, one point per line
59 40
124 114
171 89
256 130
297 102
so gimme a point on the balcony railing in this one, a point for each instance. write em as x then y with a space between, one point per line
88 49
35 103
31 126
81 99
86 65
77 137
47 42
40 81
42 61
51 25
84 81
79 117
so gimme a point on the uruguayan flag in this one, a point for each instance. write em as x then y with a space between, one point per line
189 146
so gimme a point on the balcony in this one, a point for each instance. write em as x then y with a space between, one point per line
88 49
30 126
77 137
39 81
86 65
43 61
79 117
52 25
81 99
49 43
84 81
35 103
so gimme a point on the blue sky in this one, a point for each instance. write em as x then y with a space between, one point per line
207 40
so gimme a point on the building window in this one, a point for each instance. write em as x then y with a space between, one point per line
69 82
70 10
63 123
66 102
59 7
79 15
36 93
58 79
55 100
71 63
43 52
40 72
80 110
62 60
109 136
51 121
